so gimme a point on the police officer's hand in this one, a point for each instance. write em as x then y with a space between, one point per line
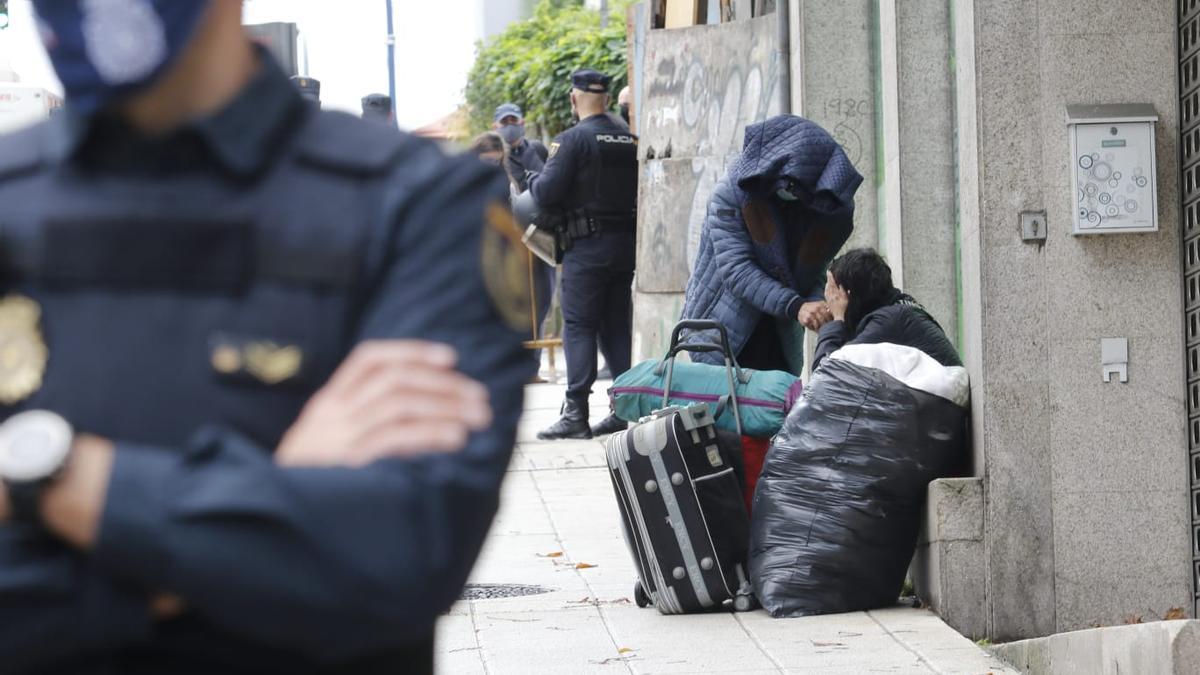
389 398
813 315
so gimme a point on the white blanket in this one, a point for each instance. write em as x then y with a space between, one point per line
913 367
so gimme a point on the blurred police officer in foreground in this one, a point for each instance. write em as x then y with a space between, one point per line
590 185
243 342
525 155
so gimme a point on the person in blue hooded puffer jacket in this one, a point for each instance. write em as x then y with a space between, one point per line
775 221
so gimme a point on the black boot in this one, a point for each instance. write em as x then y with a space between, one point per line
610 425
572 424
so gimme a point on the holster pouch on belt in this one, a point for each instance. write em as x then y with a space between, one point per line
580 224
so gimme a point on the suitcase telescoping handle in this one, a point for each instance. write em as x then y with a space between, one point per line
733 372
722 346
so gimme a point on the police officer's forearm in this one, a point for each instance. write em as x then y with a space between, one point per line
73 504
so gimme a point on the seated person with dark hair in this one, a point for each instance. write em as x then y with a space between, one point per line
868 309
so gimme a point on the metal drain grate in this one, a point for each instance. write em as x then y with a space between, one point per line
497 591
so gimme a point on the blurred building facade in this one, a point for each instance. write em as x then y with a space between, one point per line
496 15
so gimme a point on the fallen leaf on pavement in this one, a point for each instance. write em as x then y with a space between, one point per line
624 650
555 554
584 566
1175 614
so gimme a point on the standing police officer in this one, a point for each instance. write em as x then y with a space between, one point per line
248 353
526 156
589 184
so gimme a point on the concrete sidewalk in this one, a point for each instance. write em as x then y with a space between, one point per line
558 529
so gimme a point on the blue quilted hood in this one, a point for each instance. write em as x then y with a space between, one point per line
788 146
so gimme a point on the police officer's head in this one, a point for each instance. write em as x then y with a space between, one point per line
377 107
310 89
509 122
108 52
624 99
589 92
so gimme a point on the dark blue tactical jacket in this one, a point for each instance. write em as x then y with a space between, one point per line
593 166
195 291
759 256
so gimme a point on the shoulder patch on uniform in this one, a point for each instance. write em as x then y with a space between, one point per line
553 149
342 142
505 266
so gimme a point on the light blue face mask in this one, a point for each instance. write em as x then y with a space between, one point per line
103 50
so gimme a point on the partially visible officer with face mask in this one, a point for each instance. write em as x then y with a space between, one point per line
378 108
526 156
263 364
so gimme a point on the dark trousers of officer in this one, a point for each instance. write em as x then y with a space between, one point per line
545 297
597 302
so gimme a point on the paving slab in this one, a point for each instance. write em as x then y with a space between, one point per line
559 529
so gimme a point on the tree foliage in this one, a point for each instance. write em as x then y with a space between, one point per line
531 62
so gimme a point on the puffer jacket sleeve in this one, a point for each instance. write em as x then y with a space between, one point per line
736 260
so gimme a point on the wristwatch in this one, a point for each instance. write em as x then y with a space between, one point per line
34 447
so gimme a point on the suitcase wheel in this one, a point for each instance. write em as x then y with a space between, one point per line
745 603
640 597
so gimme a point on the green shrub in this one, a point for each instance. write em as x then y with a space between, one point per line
531 62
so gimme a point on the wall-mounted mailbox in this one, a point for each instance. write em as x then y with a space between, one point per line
1113 187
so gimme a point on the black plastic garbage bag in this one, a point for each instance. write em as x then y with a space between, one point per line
838 506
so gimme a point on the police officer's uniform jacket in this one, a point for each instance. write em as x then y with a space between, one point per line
194 292
592 167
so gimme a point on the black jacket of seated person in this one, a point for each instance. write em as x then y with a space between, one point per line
879 312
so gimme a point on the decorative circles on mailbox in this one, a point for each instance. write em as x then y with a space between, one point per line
1102 171
1131 206
1105 198
1085 162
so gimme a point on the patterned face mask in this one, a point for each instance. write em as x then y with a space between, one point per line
103 50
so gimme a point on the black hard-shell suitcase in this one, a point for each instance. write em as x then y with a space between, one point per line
681 501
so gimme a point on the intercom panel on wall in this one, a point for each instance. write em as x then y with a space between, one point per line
1113 179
